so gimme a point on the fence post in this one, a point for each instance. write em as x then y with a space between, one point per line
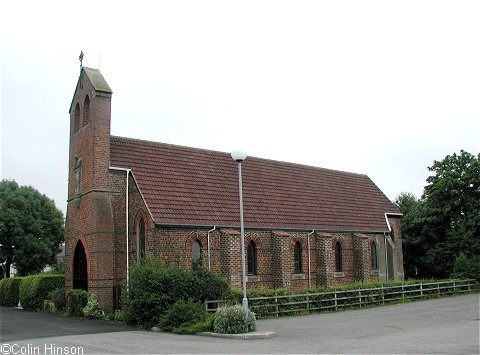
335 298
276 304
308 303
468 283
383 295
403 292
438 287
421 289
360 297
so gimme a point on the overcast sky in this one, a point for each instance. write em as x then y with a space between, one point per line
380 88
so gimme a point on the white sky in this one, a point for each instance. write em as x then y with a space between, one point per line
375 87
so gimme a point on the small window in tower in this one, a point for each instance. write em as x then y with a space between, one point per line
86 110
77 171
76 118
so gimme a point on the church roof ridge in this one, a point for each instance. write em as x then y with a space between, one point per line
281 162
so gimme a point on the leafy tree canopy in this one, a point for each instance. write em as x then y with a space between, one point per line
31 228
446 220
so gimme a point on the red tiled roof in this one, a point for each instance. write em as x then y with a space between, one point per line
189 186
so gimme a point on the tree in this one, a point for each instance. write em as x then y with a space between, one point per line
412 238
446 220
31 228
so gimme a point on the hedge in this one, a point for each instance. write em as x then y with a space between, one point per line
9 291
35 289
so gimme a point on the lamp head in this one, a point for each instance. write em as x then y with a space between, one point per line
239 155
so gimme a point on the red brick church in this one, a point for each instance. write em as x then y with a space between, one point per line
304 226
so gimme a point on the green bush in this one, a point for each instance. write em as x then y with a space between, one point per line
465 267
57 296
182 313
34 289
92 309
153 288
119 315
76 301
9 291
205 325
233 320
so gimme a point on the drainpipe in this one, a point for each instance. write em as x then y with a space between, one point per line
308 250
386 255
126 218
208 245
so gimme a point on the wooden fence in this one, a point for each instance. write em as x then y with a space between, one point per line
334 300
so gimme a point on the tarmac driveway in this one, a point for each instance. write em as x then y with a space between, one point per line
447 325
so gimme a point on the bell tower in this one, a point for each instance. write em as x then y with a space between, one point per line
89 226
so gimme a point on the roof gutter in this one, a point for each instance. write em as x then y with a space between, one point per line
290 229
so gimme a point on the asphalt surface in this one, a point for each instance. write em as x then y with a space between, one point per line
447 325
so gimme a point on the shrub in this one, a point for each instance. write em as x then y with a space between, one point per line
57 296
91 309
205 325
34 289
153 288
465 267
76 301
9 291
233 320
181 313
119 315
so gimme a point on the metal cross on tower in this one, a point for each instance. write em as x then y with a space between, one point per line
80 58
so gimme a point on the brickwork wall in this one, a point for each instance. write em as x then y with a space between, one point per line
90 216
362 257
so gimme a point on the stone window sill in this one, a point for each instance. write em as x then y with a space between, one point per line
338 274
298 276
253 278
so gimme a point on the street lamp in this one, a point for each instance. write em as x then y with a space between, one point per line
239 156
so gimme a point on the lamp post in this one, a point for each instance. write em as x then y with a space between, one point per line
239 156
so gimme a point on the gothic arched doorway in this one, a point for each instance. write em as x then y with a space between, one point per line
80 275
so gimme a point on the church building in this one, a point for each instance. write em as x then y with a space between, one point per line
305 227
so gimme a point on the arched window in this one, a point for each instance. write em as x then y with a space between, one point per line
76 118
338 257
374 256
251 258
86 110
297 258
141 238
196 255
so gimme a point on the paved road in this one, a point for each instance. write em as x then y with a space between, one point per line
448 325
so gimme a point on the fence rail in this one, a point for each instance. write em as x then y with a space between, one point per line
334 300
